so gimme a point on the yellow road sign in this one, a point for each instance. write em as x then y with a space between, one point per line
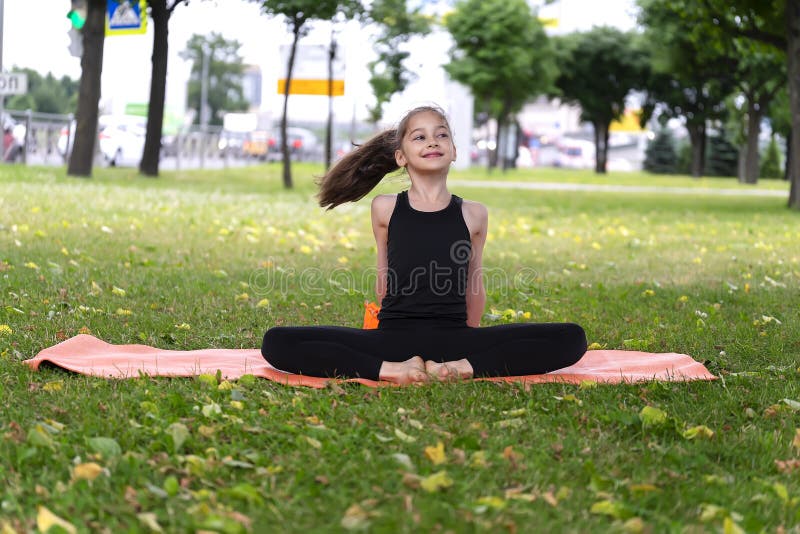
303 86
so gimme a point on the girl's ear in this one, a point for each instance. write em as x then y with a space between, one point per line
455 153
400 158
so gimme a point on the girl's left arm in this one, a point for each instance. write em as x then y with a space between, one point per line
476 293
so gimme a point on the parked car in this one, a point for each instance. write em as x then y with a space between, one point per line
120 139
303 144
257 145
575 154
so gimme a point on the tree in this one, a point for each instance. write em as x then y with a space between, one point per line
502 54
723 156
397 25
690 74
225 72
298 13
761 74
598 69
46 94
160 11
80 160
780 119
774 22
660 156
771 163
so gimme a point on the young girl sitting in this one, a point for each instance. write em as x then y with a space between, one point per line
430 284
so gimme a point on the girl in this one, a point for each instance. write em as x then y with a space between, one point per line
430 286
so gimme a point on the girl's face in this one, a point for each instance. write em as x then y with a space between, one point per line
427 145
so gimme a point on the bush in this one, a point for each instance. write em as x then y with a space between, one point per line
660 156
771 161
722 158
683 165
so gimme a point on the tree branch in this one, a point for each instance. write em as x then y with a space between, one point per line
776 40
171 8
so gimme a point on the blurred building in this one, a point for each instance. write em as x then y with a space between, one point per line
251 86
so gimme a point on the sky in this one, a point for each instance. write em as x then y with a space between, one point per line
35 35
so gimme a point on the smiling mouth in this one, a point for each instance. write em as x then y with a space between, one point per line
433 155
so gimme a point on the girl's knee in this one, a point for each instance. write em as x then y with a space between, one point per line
578 343
275 340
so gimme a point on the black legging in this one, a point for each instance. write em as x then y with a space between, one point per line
501 350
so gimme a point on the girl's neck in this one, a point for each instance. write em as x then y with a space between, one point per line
428 190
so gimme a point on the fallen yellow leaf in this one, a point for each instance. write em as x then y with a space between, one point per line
699 431
436 454
355 518
87 471
437 481
55 385
45 520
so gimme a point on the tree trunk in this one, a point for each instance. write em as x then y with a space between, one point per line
600 146
148 166
697 137
793 56
80 161
787 164
287 162
754 114
741 165
498 138
329 125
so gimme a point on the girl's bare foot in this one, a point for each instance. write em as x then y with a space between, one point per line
455 370
411 371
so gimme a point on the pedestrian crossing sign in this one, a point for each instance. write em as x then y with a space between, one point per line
126 17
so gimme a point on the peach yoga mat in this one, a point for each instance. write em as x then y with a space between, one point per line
88 355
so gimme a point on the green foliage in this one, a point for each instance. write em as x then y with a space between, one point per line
660 156
299 12
501 53
225 69
771 165
780 114
691 72
397 25
46 94
597 71
722 158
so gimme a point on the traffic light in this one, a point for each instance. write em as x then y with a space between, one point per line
77 16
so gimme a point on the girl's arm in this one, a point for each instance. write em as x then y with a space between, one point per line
382 206
478 223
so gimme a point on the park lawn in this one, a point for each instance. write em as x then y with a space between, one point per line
213 258
639 179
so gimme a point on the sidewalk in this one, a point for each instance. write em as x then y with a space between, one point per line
555 186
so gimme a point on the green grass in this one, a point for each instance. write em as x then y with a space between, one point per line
713 277
546 174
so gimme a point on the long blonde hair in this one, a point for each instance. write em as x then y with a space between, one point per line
358 172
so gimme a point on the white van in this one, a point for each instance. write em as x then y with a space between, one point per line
575 154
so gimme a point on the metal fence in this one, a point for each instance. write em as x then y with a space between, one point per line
34 138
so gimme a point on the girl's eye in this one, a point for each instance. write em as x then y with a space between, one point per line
443 135
419 137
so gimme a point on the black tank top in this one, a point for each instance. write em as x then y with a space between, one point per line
428 258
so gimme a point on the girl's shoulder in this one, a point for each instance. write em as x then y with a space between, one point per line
382 207
476 209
